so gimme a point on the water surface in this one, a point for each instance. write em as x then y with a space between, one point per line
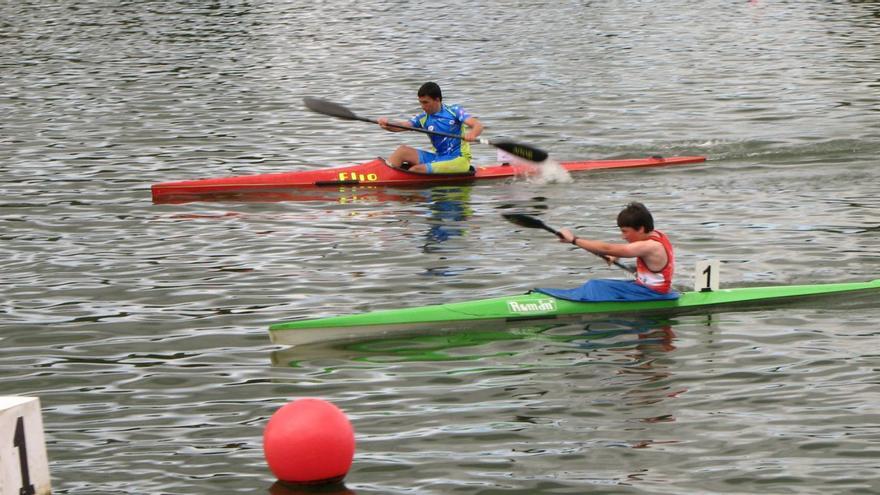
142 327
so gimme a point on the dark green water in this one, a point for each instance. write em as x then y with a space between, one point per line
142 327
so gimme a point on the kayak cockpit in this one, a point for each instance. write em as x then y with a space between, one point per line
470 173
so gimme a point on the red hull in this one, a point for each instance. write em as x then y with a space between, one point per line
377 173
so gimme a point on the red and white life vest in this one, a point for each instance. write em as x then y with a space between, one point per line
659 281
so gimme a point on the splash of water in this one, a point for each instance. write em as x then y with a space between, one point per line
552 172
549 171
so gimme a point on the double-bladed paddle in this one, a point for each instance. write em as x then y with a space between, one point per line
336 110
535 223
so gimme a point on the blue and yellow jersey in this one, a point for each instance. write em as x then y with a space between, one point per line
450 119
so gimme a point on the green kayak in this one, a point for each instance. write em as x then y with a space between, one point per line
534 306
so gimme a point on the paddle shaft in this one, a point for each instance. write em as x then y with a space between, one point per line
521 150
336 110
529 221
604 257
426 131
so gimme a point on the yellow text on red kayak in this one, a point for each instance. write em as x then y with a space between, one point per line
346 176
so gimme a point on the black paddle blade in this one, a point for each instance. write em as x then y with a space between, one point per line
524 220
329 108
521 150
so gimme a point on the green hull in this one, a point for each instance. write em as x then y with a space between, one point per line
535 306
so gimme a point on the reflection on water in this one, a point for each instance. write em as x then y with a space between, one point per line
448 209
638 338
281 488
341 195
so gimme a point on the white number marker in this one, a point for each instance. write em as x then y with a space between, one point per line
24 465
707 277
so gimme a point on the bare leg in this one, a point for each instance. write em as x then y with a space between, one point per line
403 153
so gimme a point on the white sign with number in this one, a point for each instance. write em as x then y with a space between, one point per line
24 465
706 277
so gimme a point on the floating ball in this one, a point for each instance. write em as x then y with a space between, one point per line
309 441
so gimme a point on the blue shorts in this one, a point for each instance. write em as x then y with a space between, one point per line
449 164
602 289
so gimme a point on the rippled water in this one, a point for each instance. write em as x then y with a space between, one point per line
142 327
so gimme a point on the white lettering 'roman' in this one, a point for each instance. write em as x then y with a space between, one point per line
539 306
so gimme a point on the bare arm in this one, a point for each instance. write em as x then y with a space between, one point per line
476 128
650 251
384 123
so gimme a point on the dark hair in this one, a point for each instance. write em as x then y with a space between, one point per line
431 89
635 216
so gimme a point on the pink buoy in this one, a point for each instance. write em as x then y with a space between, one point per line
309 441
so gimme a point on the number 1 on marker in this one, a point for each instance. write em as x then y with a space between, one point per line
706 277
27 488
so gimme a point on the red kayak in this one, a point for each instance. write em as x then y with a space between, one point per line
378 173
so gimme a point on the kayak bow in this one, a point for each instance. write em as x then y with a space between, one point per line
378 173
534 306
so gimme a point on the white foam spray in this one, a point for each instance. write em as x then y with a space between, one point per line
549 171
552 172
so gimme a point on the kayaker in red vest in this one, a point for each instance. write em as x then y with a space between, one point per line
450 155
655 261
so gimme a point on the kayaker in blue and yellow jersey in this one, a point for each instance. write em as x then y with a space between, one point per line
655 261
450 155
